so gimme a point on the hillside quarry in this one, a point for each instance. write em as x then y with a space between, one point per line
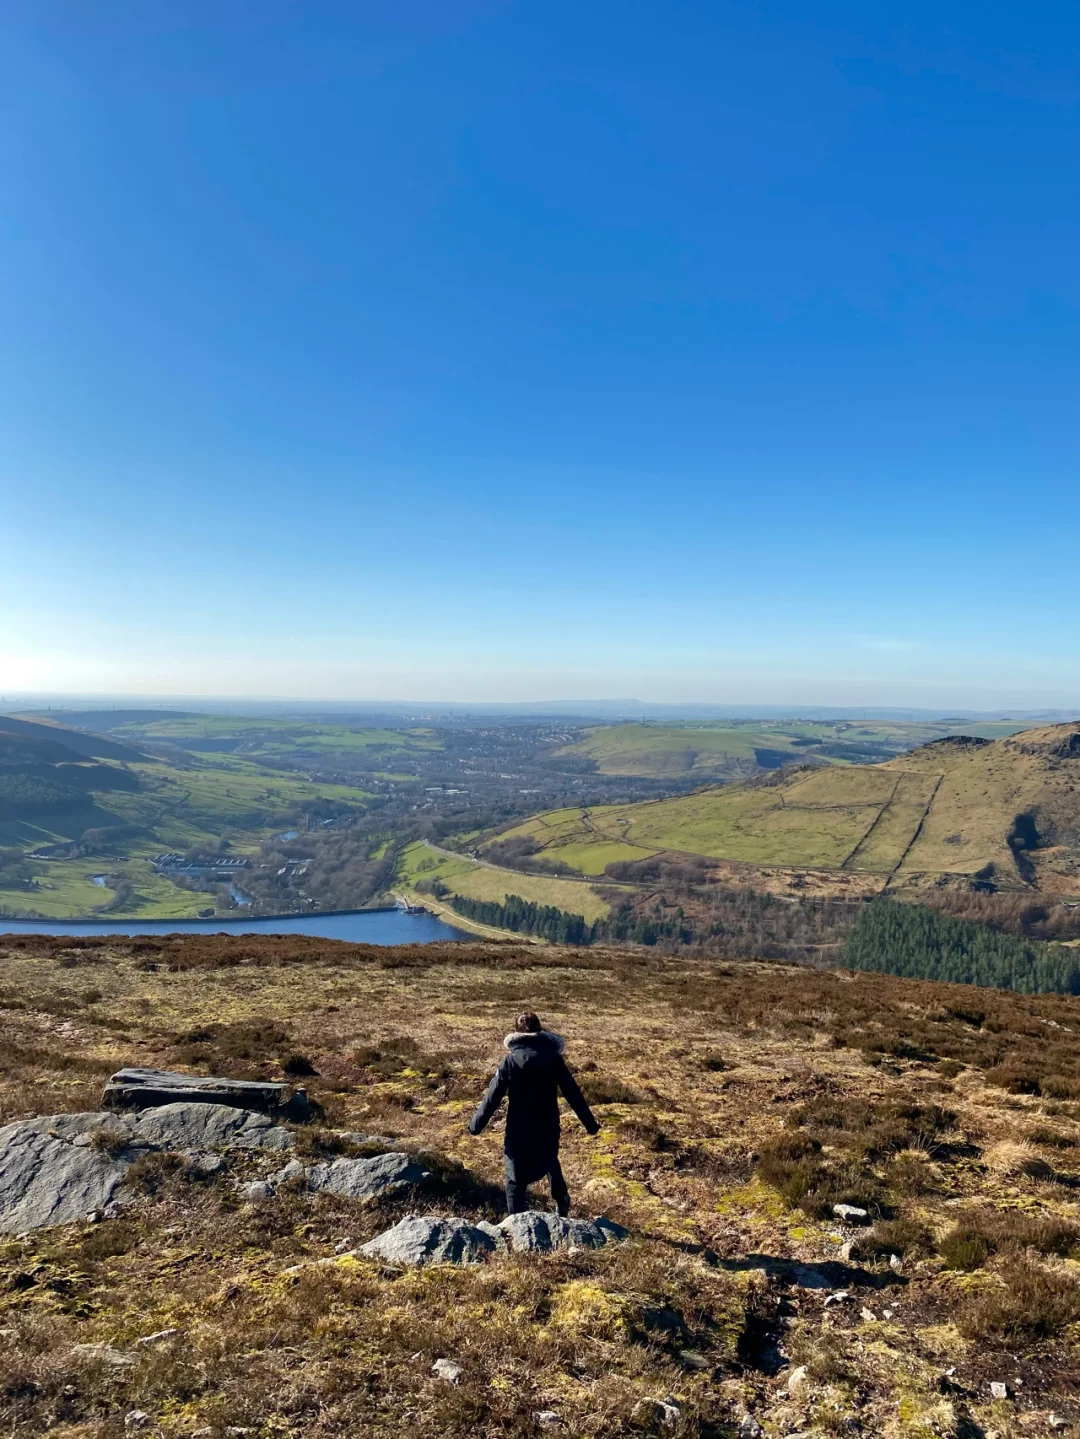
849 1201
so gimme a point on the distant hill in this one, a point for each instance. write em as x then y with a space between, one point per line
993 812
102 721
743 750
85 745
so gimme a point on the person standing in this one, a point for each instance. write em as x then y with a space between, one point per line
532 1075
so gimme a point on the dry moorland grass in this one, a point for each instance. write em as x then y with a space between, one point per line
739 1102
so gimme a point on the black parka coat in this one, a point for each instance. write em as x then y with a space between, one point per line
532 1074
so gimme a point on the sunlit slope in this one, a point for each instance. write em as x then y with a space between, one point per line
1006 810
667 752
741 750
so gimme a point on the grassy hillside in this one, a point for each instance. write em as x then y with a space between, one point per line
111 818
738 1103
700 751
1005 811
419 862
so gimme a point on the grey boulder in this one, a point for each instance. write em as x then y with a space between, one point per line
538 1232
51 1173
383 1174
421 1240
428 1239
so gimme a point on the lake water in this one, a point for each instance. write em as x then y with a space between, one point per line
389 926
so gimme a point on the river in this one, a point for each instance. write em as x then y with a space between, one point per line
373 926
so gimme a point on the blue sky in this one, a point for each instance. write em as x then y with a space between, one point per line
720 352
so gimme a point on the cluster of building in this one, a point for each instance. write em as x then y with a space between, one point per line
179 864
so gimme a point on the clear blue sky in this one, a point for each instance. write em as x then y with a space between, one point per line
463 348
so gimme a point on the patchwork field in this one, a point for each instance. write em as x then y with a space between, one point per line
253 736
738 1103
484 881
1006 810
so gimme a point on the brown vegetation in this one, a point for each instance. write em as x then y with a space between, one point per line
739 1102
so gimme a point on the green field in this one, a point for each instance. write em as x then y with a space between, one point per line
823 818
479 881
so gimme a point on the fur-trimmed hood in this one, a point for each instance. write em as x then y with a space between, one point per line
527 1036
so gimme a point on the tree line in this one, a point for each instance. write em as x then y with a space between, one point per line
920 943
524 916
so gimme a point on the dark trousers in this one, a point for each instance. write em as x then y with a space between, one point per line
517 1187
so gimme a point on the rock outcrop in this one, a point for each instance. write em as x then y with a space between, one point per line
51 1173
421 1240
428 1239
538 1232
62 1167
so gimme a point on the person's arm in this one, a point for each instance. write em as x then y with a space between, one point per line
490 1102
575 1099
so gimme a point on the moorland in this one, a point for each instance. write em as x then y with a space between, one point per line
739 1103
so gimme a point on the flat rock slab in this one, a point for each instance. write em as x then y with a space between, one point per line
48 1177
428 1239
147 1088
209 1126
421 1240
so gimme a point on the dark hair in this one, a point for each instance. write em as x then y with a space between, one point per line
528 1023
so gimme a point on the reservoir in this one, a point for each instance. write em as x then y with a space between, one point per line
373 926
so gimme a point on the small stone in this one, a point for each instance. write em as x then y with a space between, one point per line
95 1216
798 1380
342 1245
999 1390
887 1313
653 1413
691 1359
236 1431
136 1419
850 1213
868 1315
841 1296
548 1416
111 1211
846 1250
806 1277
158 1338
749 1428
894 1263
448 1370
205 1164
1056 1422
255 1190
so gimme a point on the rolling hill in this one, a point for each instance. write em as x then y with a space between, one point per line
743 749
79 829
1003 812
